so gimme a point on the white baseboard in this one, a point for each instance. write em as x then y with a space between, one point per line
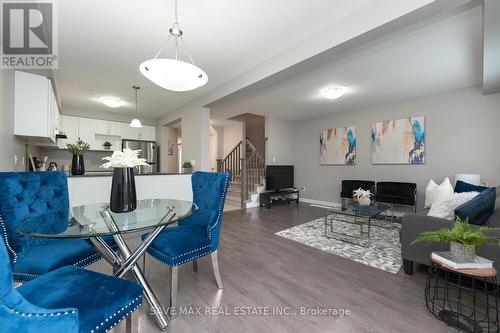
321 203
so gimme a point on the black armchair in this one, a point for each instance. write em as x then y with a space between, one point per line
397 193
348 186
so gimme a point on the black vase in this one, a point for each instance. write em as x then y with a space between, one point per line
77 165
123 198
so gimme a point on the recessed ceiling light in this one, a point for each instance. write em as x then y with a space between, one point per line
333 92
112 102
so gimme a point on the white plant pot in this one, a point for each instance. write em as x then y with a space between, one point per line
364 201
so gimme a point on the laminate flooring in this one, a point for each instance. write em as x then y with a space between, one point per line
272 284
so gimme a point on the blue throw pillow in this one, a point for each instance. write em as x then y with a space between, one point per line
480 208
461 187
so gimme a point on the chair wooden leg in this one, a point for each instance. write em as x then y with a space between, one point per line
215 264
195 265
131 323
173 291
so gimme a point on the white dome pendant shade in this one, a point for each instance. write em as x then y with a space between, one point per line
136 123
174 74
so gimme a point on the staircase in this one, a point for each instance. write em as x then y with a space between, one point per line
247 165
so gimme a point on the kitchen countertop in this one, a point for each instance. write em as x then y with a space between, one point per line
109 174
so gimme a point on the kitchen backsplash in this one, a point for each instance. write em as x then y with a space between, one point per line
93 159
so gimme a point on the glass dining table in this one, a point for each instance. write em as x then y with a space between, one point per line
96 221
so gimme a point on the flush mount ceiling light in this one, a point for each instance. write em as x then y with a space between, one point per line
174 74
333 92
136 123
112 102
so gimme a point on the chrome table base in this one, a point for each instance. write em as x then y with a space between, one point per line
128 260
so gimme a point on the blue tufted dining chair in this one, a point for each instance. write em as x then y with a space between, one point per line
25 195
69 299
197 235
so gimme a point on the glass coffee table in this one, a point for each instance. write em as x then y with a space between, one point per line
352 222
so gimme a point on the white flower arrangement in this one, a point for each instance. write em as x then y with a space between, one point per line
360 193
127 158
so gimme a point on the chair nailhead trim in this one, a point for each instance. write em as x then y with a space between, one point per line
23 314
121 312
221 206
6 239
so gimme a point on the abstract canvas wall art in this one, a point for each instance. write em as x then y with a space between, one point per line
338 146
399 141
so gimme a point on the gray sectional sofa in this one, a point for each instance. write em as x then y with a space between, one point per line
413 225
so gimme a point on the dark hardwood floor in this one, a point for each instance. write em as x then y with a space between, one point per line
260 269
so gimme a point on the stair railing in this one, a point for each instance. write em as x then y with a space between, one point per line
232 162
247 170
254 170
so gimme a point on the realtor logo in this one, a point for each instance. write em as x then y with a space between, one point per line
29 34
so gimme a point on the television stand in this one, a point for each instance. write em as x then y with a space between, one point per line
267 197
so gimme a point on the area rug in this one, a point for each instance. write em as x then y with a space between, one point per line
383 252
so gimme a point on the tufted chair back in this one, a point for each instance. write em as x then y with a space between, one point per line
5 271
25 195
209 194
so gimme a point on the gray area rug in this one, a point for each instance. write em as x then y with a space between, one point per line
383 251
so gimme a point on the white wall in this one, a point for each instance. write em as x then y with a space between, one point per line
462 136
195 134
279 134
233 134
112 116
9 144
169 163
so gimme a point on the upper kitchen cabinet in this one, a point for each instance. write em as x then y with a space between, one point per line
86 132
36 115
145 133
105 127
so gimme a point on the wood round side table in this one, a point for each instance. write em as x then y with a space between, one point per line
466 299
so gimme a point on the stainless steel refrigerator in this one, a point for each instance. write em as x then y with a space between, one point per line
149 151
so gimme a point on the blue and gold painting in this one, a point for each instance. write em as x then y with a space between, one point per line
400 141
337 146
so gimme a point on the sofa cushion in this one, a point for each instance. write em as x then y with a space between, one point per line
461 187
445 207
433 191
479 209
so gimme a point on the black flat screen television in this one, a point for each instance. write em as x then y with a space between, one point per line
279 177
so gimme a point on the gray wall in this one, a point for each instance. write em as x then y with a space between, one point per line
462 136
93 159
9 144
280 148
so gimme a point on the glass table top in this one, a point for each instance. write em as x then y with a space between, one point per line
357 210
86 221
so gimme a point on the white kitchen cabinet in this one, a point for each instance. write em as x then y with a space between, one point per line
148 133
35 108
145 133
86 132
105 127
69 125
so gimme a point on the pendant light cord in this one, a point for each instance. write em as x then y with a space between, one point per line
176 12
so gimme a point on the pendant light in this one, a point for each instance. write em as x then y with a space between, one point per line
136 123
174 74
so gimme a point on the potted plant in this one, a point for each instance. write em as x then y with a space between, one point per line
464 240
123 195
363 197
107 145
187 167
78 150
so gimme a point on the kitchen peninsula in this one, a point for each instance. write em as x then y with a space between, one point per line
96 188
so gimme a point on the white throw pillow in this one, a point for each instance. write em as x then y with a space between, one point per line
445 207
434 192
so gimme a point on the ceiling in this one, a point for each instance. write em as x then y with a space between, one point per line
428 59
102 43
